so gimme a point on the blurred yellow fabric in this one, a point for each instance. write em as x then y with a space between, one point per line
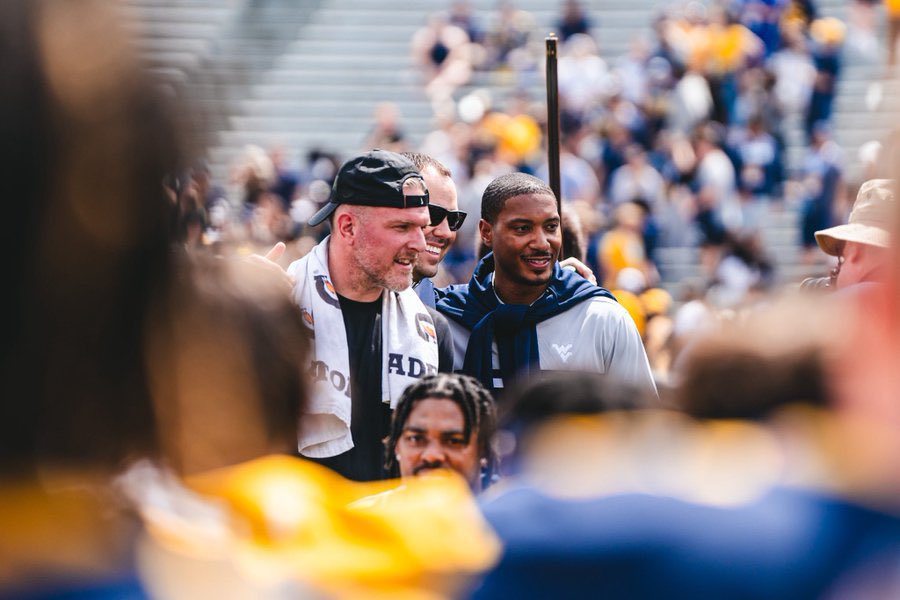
828 30
728 48
517 136
656 301
635 308
292 520
63 530
619 249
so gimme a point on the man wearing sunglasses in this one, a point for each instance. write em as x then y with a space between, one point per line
445 221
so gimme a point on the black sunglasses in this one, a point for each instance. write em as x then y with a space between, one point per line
454 218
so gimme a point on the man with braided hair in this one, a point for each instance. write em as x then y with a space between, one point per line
443 421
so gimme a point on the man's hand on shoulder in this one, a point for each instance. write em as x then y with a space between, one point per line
579 267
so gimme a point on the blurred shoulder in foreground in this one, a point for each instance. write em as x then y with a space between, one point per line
762 484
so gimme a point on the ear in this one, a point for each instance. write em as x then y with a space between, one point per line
487 233
853 253
345 225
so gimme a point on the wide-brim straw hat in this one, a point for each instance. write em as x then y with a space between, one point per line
870 220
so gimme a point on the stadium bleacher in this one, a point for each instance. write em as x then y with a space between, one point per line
309 74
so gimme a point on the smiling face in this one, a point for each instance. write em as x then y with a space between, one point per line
434 438
438 239
525 239
384 244
387 246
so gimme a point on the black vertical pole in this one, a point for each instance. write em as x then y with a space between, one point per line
553 120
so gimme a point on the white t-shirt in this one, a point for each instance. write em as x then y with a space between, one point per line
596 335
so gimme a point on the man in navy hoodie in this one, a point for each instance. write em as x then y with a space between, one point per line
522 312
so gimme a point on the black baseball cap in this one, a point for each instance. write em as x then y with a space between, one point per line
373 179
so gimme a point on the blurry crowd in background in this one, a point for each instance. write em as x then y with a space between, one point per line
152 391
681 142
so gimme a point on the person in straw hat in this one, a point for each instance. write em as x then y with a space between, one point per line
861 244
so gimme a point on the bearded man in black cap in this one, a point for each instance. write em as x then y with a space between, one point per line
372 334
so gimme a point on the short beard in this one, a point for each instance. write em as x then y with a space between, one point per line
365 257
398 286
395 283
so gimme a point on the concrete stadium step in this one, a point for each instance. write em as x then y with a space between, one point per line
349 108
361 78
315 85
316 123
159 45
387 49
185 62
334 93
230 143
186 29
322 31
199 4
349 60
179 14
677 273
676 278
780 238
790 275
677 255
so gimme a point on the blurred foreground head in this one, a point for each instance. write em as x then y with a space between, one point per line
550 423
824 372
749 367
85 143
226 347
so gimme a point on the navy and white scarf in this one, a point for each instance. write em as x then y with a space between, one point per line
476 307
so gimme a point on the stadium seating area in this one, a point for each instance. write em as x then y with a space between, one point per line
309 74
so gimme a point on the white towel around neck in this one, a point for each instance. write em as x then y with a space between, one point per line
407 330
